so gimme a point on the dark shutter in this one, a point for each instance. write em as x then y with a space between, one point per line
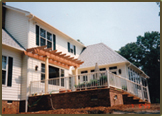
37 35
68 47
74 50
10 65
54 42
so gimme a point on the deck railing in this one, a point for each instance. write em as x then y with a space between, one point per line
91 80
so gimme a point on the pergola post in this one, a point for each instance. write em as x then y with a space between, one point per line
76 76
46 75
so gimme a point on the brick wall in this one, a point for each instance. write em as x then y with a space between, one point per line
87 98
118 95
10 108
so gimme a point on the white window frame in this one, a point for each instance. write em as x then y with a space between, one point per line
45 37
6 79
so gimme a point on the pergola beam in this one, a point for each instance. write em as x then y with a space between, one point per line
56 58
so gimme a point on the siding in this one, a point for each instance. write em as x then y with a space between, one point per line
13 92
24 77
61 41
16 25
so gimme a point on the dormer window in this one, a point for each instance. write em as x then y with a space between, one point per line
71 48
44 37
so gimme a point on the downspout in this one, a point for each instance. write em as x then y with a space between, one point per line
27 79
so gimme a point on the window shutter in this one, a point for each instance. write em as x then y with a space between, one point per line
37 35
74 50
54 42
68 47
10 65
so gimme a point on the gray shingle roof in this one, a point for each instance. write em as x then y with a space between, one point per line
7 39
101 54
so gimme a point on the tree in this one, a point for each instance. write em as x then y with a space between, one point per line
145 53
132 53
158 3
79 41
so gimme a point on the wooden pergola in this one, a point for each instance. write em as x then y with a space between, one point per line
53 57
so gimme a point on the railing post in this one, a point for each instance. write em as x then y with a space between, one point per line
141 87
46 75
108 82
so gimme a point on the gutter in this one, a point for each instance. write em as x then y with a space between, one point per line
31 17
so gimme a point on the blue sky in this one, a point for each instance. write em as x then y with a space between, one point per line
113 23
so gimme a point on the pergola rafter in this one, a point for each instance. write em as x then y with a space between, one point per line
56 58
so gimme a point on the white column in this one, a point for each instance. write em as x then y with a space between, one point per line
46 75
76 76
108 83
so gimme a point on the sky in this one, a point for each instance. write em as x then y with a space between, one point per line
112 23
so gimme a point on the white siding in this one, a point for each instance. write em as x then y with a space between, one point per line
24 77
16 25
61 41
13 92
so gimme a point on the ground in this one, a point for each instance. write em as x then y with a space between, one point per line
120 109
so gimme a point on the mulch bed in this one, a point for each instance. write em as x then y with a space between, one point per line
101 109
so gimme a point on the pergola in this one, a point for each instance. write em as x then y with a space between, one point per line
52 56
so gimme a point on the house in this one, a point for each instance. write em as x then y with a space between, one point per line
39 59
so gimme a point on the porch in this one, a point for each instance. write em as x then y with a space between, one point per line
138 88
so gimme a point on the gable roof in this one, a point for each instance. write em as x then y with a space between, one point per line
35 18
9 40
101 54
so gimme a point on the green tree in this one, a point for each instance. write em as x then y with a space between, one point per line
132 53
79 41
145 53
158 3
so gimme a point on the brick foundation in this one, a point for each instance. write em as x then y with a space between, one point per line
118 94
86 98
10 108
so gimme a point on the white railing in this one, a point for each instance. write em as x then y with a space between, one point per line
54 85
125 84
91 80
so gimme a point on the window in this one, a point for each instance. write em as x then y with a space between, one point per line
42 71
85 78
71 48
92 70
62 82
45 38
62 73
4 69
53 72
102 69
7 65
111 68
9 102
83 72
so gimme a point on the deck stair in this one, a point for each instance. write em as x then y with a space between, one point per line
129 98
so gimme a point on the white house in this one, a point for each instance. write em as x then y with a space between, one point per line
23 71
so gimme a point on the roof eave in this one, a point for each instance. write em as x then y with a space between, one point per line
12 47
